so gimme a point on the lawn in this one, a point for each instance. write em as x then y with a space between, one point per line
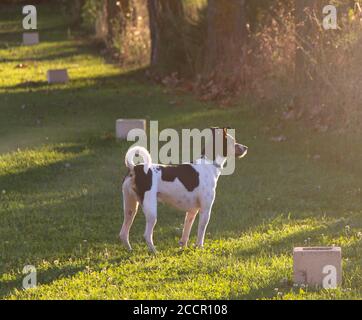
61 171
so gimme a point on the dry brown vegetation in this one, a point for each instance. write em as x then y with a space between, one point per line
281 55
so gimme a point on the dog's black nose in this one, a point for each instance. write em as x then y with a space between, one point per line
241 150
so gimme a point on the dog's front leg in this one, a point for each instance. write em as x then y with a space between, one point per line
203 222
189 220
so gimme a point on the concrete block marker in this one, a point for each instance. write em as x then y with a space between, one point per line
123 126
30 38
318 266
57 76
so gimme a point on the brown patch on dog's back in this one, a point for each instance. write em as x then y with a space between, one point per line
143 182
187 175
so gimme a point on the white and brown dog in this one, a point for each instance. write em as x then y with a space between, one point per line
189 187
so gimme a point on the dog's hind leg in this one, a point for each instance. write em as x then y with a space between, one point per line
189 220
130 207
150 211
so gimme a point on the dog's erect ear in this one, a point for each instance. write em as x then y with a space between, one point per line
224 134
225 131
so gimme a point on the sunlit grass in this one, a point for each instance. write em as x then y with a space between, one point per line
27 66
61 170
21 161
248 266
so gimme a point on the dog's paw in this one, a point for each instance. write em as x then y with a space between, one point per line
126 244
153 251
182 244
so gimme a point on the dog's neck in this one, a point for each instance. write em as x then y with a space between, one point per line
218 163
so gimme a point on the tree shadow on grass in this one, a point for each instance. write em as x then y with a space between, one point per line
51 275
24 181
43 277
78 50
55 203
59 28
73 84
57 273
286 285
287 243
280 246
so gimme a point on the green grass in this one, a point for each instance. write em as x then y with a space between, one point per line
61 171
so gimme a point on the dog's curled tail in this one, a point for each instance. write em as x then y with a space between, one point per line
138 150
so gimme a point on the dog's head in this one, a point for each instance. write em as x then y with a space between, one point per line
228 143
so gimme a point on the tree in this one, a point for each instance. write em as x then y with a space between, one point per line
123 27
304 43
166 20
74 10
101 22
309 45
113 17
226 38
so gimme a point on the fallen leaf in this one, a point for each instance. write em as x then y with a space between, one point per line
279 139
21 66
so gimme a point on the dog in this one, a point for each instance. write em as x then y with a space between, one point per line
189 186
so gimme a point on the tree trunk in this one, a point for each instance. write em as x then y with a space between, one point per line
101 25
75 11
226 37
309 45
166 20
304 42
154 33
124 27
